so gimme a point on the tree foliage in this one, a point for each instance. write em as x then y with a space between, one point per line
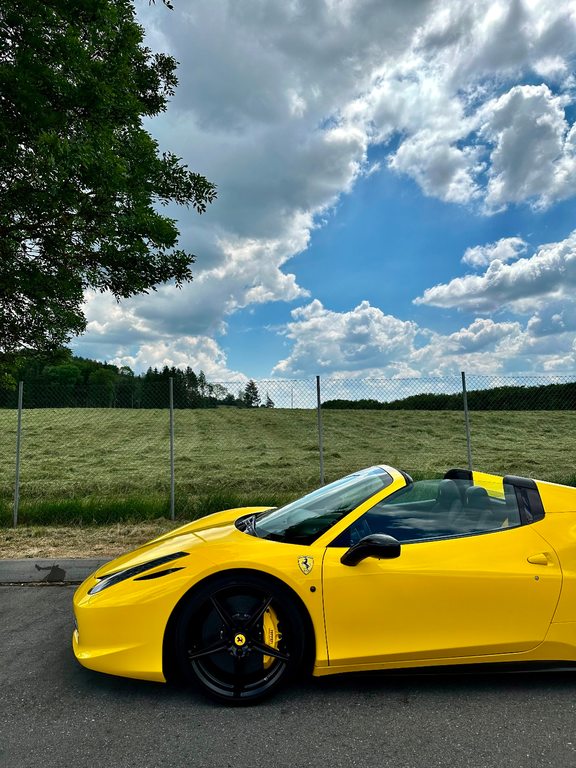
251 396
62 380
79 175
544 397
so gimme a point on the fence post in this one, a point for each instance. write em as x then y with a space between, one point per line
320 431
18 442
467 421
172 489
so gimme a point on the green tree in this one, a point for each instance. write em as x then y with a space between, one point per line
101 388
220 393
79 175
251 396
202 384
125 387
268 403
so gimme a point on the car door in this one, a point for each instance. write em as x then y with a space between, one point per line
453 597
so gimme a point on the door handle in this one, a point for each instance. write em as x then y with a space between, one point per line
539 559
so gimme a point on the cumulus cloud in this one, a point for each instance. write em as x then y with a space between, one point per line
468 132
533 148
505 249
476 349
522 286
554 318
117 334
280 103
482 333
198 352
283 115
256 112
362 339
441 169
366 342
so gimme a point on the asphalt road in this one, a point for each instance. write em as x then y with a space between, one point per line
55 713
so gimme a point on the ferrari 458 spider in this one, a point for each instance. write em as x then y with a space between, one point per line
373 571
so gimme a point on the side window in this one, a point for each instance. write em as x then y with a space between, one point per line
433 509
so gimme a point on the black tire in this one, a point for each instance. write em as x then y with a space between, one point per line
220 644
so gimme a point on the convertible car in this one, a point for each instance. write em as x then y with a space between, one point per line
371 572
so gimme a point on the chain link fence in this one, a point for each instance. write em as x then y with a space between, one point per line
140 449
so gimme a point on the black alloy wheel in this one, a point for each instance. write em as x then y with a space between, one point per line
240 638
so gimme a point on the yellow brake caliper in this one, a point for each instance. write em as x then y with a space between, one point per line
271 634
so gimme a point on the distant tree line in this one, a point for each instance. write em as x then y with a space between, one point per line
547 397
62 380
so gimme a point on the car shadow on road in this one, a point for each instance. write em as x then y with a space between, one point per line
456 683
373 685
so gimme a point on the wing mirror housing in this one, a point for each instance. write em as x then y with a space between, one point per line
377 545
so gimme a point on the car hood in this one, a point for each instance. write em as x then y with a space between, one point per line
210 528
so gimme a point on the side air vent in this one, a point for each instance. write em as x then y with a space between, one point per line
110 579
150 576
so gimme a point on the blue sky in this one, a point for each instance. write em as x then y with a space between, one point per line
396 191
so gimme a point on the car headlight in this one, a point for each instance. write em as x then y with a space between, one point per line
118 576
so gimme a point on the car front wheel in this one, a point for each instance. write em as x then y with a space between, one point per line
240 638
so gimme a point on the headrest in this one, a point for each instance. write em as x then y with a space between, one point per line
448 491
476 496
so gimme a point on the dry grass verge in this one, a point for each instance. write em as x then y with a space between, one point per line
80 541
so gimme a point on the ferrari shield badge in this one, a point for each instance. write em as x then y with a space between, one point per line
306 564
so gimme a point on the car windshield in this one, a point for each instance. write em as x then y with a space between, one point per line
304 520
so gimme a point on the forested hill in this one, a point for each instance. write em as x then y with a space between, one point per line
548 397
64 380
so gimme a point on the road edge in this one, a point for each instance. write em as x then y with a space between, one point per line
48 571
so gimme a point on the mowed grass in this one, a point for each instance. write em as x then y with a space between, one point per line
80 466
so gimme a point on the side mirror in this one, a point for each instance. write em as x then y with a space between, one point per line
377 545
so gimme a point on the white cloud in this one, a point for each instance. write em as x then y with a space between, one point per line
198 352
522 286
118 335
551 68
366 342
533 148
283 115
441 169
279 104
445 97
505 249
362 339
480 348
554 318
482 333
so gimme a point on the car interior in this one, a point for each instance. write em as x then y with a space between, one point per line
439 509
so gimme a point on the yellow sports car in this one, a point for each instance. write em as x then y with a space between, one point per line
373 571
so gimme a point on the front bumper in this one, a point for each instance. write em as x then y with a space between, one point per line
120 630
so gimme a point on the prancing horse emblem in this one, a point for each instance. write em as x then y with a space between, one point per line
306 564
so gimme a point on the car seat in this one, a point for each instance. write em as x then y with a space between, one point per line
448 501
478 512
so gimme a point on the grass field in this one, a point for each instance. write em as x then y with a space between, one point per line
105 465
